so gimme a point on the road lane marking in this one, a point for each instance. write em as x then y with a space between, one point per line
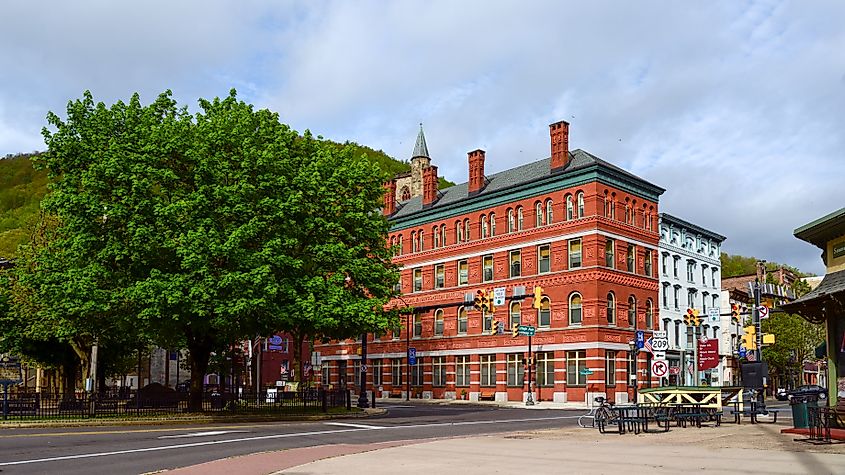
201 434
137 431
273 436
347 424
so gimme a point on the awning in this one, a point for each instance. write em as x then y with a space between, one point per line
826 300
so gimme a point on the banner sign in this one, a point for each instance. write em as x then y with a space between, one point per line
708 354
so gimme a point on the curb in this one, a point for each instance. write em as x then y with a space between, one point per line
185 420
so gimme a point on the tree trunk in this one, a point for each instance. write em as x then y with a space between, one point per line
298 338
199 354
83 352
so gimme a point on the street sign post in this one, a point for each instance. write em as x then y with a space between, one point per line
412 356
10 373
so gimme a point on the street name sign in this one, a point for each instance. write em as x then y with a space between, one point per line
527 330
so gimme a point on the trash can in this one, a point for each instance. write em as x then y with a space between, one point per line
798 404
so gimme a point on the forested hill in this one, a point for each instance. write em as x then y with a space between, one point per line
22 188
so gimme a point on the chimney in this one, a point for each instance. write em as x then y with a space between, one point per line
476 171
559 133
389 198
429 186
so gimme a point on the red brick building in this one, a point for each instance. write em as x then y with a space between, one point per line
584 230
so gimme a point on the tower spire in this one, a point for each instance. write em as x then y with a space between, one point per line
420 148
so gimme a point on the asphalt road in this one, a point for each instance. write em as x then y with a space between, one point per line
134 450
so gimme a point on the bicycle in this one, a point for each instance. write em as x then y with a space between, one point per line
601 415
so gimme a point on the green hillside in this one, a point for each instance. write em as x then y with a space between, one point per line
22 188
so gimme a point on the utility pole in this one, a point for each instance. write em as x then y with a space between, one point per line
756 319
529 401
408 355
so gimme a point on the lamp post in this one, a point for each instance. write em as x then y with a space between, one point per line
632 345
362 398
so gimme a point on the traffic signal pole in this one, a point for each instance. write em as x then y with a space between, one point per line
529 401
755 313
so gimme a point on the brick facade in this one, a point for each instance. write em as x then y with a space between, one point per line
566 254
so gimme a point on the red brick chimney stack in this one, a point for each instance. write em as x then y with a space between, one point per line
559 133
429 185
389 198
476 171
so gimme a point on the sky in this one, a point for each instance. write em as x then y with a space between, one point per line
736 108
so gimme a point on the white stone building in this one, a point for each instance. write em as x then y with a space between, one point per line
690 277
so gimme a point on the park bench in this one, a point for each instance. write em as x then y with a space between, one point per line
752 411
489 394
395 392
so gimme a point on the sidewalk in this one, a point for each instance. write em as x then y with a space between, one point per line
730 448
457 402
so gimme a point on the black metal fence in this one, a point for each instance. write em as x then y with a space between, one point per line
34 406
819 420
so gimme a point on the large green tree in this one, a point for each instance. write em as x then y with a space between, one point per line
202 229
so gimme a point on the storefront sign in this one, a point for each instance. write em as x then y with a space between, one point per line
839 250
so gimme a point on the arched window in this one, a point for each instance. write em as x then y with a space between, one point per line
627 211
515 314
570 208
606 205
649 314
611 308
443 234
406 193
519 218
462 320
492 224
544 314
421 246
413 241
438 322
613 205
580 204
632 310
549 219
466 229
484 231
400 244
575 309
538 214
436 234
511 221
459 232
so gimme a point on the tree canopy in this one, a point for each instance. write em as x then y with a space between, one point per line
203 229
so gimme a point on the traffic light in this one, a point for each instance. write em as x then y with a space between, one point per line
494 328
749 339
735 314
696 318
479 300
538 297
489 302
515 329
689 320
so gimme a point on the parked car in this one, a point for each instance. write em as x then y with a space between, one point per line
809 390
782 394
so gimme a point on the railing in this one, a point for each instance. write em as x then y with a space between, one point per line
819 420
34 406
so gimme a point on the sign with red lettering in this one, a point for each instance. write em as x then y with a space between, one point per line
708 354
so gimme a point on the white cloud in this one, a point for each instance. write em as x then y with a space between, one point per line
734 108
